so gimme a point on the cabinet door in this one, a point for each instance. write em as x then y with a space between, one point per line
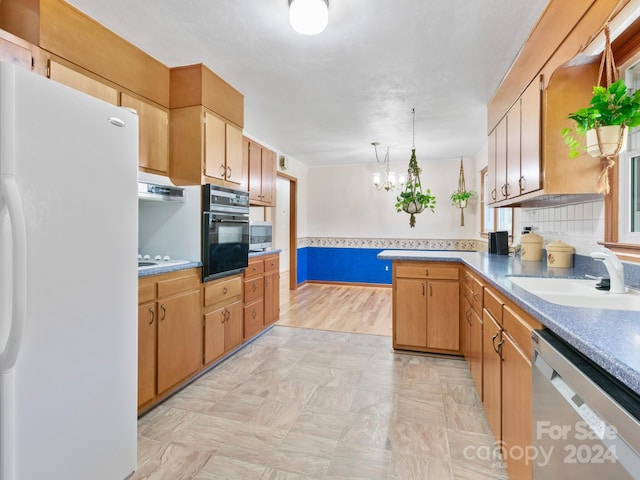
233 142
516 407
501 160
255 172
271 298
475 351
214 147
268 177
153 139
146 352
12 53
492 194
492 374
513 151
71 78
465 330
253 318
233 327
179 338
214 334
530 165
443 315
410 319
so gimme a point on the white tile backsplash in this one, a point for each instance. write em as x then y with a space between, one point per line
581 224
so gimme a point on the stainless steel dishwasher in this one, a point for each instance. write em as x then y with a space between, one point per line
585 423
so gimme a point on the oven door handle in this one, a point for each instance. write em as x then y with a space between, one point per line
208 218
219 220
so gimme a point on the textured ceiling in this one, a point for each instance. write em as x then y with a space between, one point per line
324 99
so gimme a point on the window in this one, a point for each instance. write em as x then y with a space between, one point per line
493 219
629 200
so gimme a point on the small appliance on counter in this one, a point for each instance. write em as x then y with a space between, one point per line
499 242
260 236
531 247
560 255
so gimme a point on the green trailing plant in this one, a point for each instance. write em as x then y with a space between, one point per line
458 198
614 105
412 200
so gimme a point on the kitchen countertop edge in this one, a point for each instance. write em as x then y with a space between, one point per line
265 252
160 269
588 330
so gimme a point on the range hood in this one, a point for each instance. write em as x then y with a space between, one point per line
160 193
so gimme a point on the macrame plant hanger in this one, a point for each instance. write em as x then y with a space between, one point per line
461 204
609 73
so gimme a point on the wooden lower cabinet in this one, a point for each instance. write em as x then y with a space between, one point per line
261 293
426 307
169 333
223 317
492 373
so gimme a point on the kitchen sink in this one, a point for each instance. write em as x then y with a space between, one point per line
574 292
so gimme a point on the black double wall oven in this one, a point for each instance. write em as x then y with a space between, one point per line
225 231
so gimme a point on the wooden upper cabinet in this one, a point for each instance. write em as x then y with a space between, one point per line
79 81
513 151
492 192
11 51
501 160
207 116
233 153
214 147
153 142
530 140
262 173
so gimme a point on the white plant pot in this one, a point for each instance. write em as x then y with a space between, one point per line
413 207
609 138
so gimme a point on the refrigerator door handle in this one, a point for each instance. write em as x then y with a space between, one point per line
17 310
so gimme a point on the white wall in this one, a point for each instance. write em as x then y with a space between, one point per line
170 228
343 202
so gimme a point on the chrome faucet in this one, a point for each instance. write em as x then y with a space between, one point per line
614 267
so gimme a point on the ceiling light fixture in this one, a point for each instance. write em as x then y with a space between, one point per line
390 180
309 17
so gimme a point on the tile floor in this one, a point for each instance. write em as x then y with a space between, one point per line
309 404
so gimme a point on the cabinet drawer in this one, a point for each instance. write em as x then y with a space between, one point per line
221 290
272 264
253 318
146 292
253 289
478 296
427 271
519 329
493 304
256 267
170 287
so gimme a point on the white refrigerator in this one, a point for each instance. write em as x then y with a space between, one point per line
68 283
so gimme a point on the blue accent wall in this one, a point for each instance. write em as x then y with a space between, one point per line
353 265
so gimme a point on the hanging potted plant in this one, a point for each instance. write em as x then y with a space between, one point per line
459 199
605 122
413 200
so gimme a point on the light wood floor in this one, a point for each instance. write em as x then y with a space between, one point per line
338 308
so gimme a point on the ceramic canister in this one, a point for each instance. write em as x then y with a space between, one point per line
560 255
531 247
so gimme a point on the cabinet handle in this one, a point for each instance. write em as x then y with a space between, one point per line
426 272
493 194
507 189
224 290
423 289
222 170
254 313
223 315
522 183
475 296
266 282
228 172
431 289
255 286
468 317
153 315
493 342
164 312
500 349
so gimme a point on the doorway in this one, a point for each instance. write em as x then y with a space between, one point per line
286 238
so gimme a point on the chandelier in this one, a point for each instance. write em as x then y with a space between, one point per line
390 182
